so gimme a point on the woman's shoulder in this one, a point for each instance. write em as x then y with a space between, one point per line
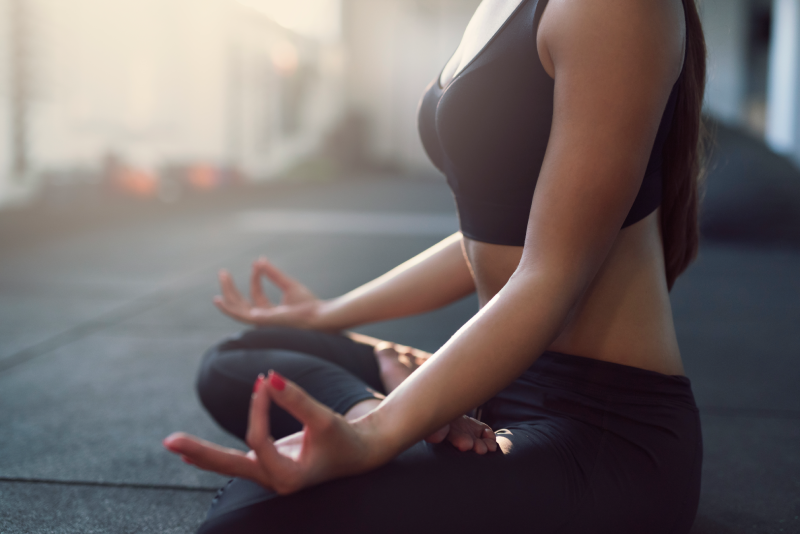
645 34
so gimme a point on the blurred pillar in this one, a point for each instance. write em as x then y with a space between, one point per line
20 90
725 27
783 85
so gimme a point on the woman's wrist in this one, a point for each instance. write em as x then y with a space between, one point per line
324 316
380 444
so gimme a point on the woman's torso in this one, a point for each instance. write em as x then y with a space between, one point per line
625 315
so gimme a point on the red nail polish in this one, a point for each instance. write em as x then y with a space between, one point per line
258 382
277 381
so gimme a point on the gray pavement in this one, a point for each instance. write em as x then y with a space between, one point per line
105 312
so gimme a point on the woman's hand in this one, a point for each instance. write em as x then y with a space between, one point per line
466 434
298 307
398 362
328 447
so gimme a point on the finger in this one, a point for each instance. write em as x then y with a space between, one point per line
490 439
439 436
485 435
460 439
479 428
257 295
230 293
211 457
297 402
258 436
276 276
258 419
479 447
230 311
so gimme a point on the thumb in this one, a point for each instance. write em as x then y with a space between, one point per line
297 402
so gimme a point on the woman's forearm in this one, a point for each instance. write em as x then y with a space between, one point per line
430 280
490 351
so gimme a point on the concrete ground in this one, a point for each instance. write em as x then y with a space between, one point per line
105 311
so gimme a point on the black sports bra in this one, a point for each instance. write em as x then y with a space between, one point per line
487 131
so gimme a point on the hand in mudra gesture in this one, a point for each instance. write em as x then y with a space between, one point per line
328 447
297 308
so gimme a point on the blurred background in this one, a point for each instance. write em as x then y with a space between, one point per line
145 144
157 97
154 97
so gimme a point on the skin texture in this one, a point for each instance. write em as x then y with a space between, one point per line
580 285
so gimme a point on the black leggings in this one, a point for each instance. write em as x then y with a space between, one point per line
585 447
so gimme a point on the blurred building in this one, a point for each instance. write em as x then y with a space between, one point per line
214 90
208 89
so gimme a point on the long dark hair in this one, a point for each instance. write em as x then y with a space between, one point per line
684 153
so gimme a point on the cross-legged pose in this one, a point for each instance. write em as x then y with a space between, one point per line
568 131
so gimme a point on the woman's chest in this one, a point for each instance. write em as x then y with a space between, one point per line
490 16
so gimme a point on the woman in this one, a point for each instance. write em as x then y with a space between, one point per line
572 358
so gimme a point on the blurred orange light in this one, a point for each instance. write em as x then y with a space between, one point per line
203 177
137 182
284 57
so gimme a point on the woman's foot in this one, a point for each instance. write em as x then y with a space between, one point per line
396 363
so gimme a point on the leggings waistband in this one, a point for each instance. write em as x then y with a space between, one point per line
609 380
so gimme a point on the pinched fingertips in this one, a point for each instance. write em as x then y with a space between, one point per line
480 447
258 418
297 402
277 381
257 383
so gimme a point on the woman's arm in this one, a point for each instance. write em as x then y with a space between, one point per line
433 279
430 280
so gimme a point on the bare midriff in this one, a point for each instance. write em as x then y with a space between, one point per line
625 315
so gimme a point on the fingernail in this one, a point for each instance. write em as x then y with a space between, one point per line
258 382
277 381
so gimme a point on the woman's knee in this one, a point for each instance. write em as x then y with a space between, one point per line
227 361
269 337
207 383
223 390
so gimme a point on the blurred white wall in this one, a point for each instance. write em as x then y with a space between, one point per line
394 49
172 82
141 78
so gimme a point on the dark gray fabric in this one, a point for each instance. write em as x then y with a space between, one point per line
586 447
335 370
